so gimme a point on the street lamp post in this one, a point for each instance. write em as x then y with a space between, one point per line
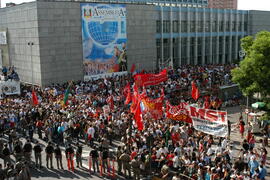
32 68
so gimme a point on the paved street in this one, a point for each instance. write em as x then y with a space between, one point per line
83 173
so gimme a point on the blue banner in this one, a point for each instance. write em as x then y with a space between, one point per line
104 38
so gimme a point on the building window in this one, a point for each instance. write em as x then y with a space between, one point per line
214 26
192 26
166 26
184 26
221 26
233 26
227 26
158 26
158 45
245 26
200 26
175 26
207 26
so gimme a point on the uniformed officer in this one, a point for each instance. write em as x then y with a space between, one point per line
6 153
58 156
18 151
135 165
27 148
79 155
94 155
49 154
70 154
125 158
119 162
37 152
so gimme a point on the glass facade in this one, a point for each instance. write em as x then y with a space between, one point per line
200 36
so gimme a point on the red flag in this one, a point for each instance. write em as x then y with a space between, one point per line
109 100
135 98
194 91
206 103
34 98
138 117
126 89
133 67
128 95
150 79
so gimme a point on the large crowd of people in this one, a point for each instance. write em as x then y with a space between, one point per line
165 148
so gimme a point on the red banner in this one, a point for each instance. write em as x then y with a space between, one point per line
178 113
153 106
150 79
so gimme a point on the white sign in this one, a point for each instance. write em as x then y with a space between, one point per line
10 87
3 37
209 121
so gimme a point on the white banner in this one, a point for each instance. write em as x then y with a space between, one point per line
10 87
209 121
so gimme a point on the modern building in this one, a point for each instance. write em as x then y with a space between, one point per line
222 4
45 40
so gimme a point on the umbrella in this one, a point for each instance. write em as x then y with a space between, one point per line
258 105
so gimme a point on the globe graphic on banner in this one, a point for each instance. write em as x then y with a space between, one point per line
103 33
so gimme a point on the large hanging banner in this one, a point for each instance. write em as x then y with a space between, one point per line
209 121
104 38
150 79
153 106
178 113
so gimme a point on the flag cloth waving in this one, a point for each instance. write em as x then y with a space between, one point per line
127 94
34 97
194 91
65 100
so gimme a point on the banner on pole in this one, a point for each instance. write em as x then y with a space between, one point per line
209 121
151 79
178 113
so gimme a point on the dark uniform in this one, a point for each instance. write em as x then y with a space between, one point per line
94 155
69 153
135 165
18 151
119 162
79 155
6 153
27 148
37 151
58 157
49 154
125 158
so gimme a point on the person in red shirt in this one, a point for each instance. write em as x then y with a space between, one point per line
242 128
169 158
133 153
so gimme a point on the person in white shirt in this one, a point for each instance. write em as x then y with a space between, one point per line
90 134
176 161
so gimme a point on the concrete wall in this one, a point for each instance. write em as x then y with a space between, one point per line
141 42
258 21
60 38
22 27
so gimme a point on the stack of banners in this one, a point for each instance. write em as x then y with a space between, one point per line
153 106
178 113
150 79
209 121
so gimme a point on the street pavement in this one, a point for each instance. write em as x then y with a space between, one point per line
83 173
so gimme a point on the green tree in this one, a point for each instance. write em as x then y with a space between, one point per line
253 74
